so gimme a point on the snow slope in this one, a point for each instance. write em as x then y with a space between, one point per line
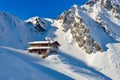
104 31
15 32
54 67
17 64
98 63
71 62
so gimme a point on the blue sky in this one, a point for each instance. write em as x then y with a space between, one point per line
25 9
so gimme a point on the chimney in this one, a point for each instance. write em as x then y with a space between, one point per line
47 39
48 42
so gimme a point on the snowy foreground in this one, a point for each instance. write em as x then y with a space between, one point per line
20 65
71 63
101 25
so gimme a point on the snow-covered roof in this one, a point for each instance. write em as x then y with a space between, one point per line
37 42
39 48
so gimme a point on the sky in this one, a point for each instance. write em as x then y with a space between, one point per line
25 9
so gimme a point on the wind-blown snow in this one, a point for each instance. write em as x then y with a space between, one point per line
101 61
18 65
71 62
15 32
106 62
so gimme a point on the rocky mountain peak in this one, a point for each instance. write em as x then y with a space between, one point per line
39 23
91 2
110 5
87 22
71 20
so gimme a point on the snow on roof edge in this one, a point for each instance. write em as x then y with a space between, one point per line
38 48
36 42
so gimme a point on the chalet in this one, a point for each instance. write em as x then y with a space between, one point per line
43 47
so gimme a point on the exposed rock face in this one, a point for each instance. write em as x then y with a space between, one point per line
91 2
109 5
101 9
102 14
39 24
80 33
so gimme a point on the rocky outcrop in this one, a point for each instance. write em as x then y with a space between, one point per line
91 2
92 25
80 33
39 24
107 4
111 6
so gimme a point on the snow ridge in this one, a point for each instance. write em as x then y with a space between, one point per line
83 27
17 33
91 28
85 30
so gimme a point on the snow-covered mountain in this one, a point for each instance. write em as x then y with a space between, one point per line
92 28
40 24
17 33
90 23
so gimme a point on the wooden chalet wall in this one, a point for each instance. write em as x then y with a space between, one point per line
43 47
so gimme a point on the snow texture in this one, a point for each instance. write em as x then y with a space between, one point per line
71 62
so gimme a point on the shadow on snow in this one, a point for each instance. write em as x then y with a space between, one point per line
32 61
80 64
